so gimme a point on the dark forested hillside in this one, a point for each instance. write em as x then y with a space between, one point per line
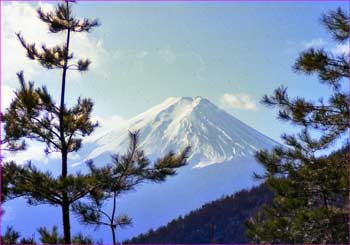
221 221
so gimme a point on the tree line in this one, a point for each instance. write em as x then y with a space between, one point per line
221 221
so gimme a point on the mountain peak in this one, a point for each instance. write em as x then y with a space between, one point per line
196 98
214 135
186 99
221 160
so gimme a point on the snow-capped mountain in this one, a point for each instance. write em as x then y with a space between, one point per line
221 162
214 135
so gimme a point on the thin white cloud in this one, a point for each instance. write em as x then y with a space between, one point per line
341 49
22 17
337 49
110 122
238 101
106 124
34 152
314 43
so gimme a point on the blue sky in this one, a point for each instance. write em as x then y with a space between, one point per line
229 52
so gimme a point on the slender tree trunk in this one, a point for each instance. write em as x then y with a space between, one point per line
113 235
113 225
64 150
66 221
65 203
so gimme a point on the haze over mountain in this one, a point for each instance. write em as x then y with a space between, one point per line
221 161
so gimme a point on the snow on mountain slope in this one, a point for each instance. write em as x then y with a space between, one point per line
221 163
214 135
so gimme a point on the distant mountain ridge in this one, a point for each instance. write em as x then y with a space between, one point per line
221 221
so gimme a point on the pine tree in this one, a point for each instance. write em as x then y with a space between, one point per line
311 187
13 237
34 115
5 177
125 173
52 237
45 236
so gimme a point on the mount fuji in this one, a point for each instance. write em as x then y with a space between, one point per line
221 161
214 135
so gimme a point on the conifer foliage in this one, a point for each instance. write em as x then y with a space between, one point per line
34 115
311 188
125 173
218 222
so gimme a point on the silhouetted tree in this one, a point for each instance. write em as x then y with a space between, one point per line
34 115
125 173
45 236
311 187
52 237
13 237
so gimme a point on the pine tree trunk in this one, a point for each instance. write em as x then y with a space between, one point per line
66 223
113 235
113 216
64 150
65 203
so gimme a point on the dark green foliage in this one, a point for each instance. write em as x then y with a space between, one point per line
34 115
12 146
27 241
124 174
311 187
309 206
6 177
42 188
221 221
337 22
46 237
81 239
13 237
61 19
331 69
52 237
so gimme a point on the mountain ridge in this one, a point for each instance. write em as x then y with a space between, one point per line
221 221
214 135
222 163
